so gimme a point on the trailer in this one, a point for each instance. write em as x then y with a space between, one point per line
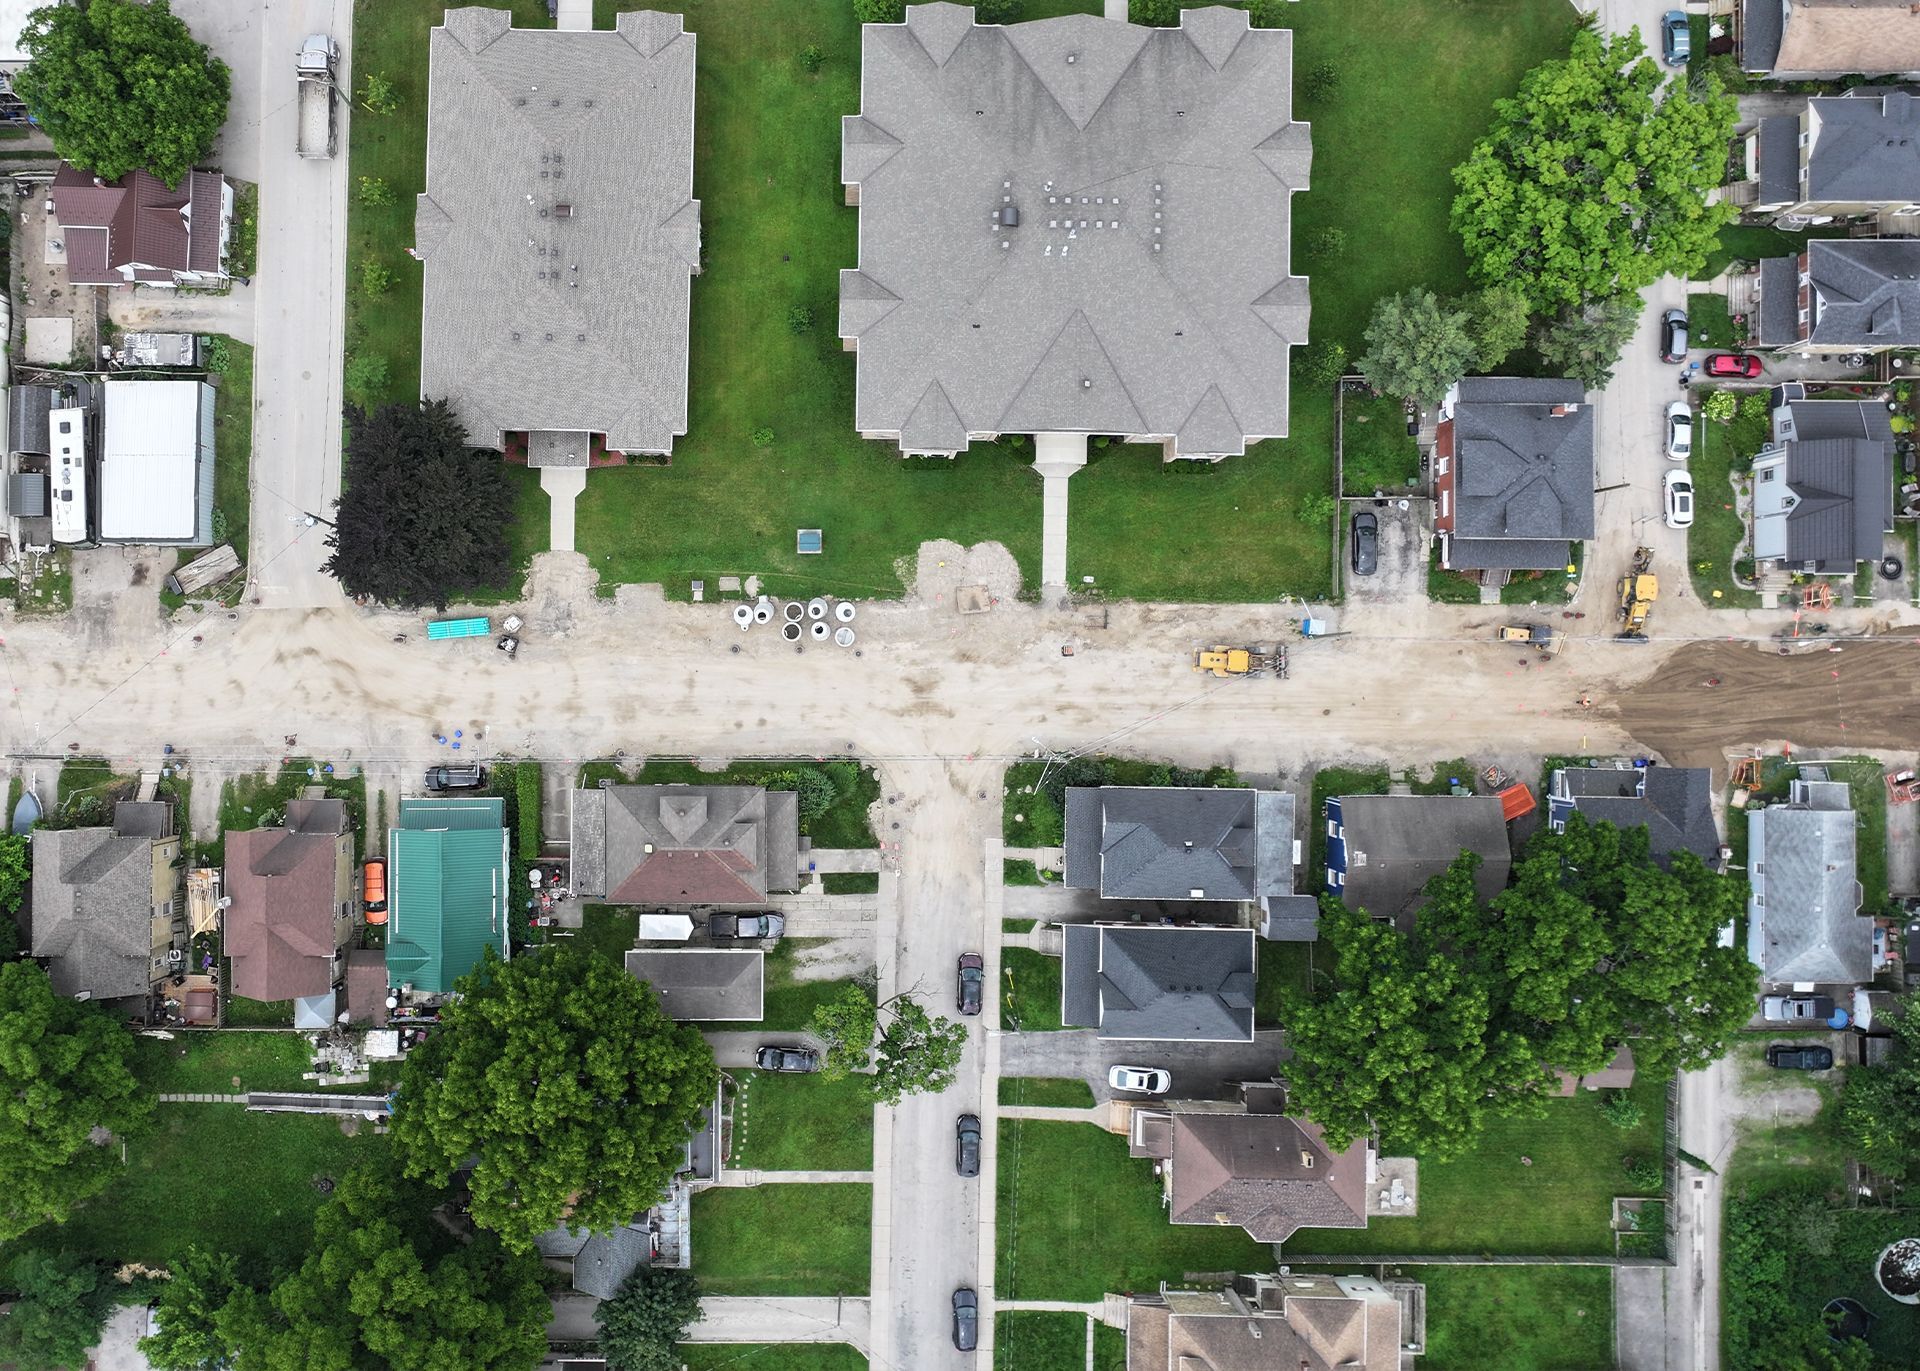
315 128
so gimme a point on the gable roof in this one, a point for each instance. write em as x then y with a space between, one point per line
1268 1173
1803 919
1390 846
1522 472
1177 984
701 984
447 895
1865 292
1841 500
1779 150
558 227
1863 147
1179 843
136 227
92 911
1810 39
1673 803
1142 285
685 844
279 928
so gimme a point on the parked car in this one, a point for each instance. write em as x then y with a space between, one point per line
1366 544
966 1159
1679 431
1796 1008
456 777
1673 336
1140 1080
772 1058
966 1319
373 890
1741 365
1678 490
764 925
1799 1057
1676 39
973 976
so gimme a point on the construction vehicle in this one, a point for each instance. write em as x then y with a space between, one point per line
1224 661
1639 588
1534 635
315 129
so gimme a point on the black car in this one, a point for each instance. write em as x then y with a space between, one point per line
456 777
967 1145
1673 336
973 976
1792 1057
787 1059
966 1319
1366 544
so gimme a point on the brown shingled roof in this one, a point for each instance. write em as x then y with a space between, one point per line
137 221
279 928
1254 1170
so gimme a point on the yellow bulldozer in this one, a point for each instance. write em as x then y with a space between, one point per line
1224 661
1639 588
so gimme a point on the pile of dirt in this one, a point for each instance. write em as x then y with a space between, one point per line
942 567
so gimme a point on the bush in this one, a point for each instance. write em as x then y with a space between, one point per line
1753 405
761 437
1622 1110
814 791
526 790
1317 508
1720 406
880 11
799 319
219 356
1323 363
1321 83
1164 14
1328 243
375 191
377 94
811 57
219 523
366 377
640 1325
1643 1177
375 278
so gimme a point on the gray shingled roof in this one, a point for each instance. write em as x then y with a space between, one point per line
1779 159
684 844
1397 843
1522 472
1166 842
1864 148
1866 292
558 227
1779 321
1761 22
1171 312
1507 554
1797 418
702 984
1803 920
1179 984
93 910
1843 491
1673 803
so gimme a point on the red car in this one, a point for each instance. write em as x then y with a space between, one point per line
1741 364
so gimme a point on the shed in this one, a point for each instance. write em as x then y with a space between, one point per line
157 463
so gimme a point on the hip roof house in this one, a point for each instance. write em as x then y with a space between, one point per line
1174 984
1074 225
1673 803
559 231
1513 474
684 844
106 910
1383 849
1804 925
448 899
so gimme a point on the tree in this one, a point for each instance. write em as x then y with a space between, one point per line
1585 342
1497 323
374 190
57 1316
423 517
121 86
847 1026
366 376
1590 185
880 11
187 1310
640 1325
67 1085
15 869
565 1083
916 1052
1720 406
377 94
1417 345
1880 1108
814 791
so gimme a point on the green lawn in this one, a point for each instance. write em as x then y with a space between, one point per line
1517 1318
244 1013
1709 322
1029 990
851 882
1492 1201
1756 242
790 1001
90 784
1109 1349
784 1356
1449 587
1019 871
1078 1217
233 445
1046 1091
218 1062
1545 587
1283 966
1029 818
608 931
1039 1340
801 1123
783 1240
1376 452
1328 782
1719 451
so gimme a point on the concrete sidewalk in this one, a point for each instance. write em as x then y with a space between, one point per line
1056 456
747 1178
726 1318
1093 1114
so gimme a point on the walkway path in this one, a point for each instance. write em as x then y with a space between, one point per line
1056 456
1094 1114
575 16
747 1178
563 486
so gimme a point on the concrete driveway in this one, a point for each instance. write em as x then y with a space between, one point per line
1200 1070
1405 535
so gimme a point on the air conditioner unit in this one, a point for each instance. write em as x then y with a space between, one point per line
175 956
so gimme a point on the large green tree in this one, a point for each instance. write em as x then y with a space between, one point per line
1593 180
187 1313
1584 341
915 1052
1880 1106
61 1302
121 86
424 517
67 1093
1417 345
640 1325
564 1082
1497 322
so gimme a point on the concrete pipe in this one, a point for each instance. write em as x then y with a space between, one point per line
843 636
816 608
844 611
794 611
743 615
791 632
820 631
763 612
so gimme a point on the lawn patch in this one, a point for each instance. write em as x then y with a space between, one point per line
851 882
1709 322
801 1123
1079 1217
765 1356
1721 452
1029 816
1046 1091
783 1240
1018 925
1446 587
1377 454
261 802
87 790
1756 243
1039 1340
1517 1318
1019 871
790 1001
608 931
1029 990
1283 966
215 1062
1109 1348
1546 587
233 452
243 1013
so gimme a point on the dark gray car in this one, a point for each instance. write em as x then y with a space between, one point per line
966 1158
966 1319
456 777
782 1058
1366 544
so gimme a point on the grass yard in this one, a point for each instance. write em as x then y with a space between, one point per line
1029 819
783 1240
1046 1091
1039 1340
801 1123
260 801
90 784
1078 1217
1545 587
1517 1318
233 447
851 882
1720 451
1489 1201
1449 587
1029 990
1755 242
790 1001
1709 322
762 1356
219 1062
608 931
1376 452
244 1013
1019 871
1109 1349
1283 966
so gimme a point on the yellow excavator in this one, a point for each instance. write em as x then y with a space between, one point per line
1639 588
1224 661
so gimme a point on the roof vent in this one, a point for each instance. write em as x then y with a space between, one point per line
1196 894
563 210
1306 1159
1010 216
1072 57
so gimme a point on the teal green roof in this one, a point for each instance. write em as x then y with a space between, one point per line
447 891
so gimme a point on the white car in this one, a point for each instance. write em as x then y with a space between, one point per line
1140 1080
1678 490
1679 431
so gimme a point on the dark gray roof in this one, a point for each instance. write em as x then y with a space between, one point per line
1843 492
1178 984
684 844
1507 554
1171 311
698 983
605 1260
1803 920
1522 471
1761 22
1779 159
93 910
1866 291
1779 321
143 819
1673 803
27 495
559 204
1864 147
28 410
1397 843
1797 418
1170 843
1290 918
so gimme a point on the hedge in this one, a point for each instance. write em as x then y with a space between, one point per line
526 783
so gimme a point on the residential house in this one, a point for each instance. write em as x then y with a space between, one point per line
137 230
559 232
290 915
702 984
449 897
107 916
1824 40
1075 226
1156 981
1513 474
1617 1074
684 844
1834 157
1804 926
1383 849
1841 295
1823 487
1248 1163
1285 1322
1190 844
1673 803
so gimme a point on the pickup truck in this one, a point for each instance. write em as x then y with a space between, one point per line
315 126
721 926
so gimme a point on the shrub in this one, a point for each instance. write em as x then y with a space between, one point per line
1720 406
1622 1110
811 57
366 376
375 191
1163 14
880 11
1317 508
243 242
761 437
1753 405
1322 363
1643 1176
814 791
219 523
219 356
799 319
375 278
526 790
377 94
1328 243
1321 83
